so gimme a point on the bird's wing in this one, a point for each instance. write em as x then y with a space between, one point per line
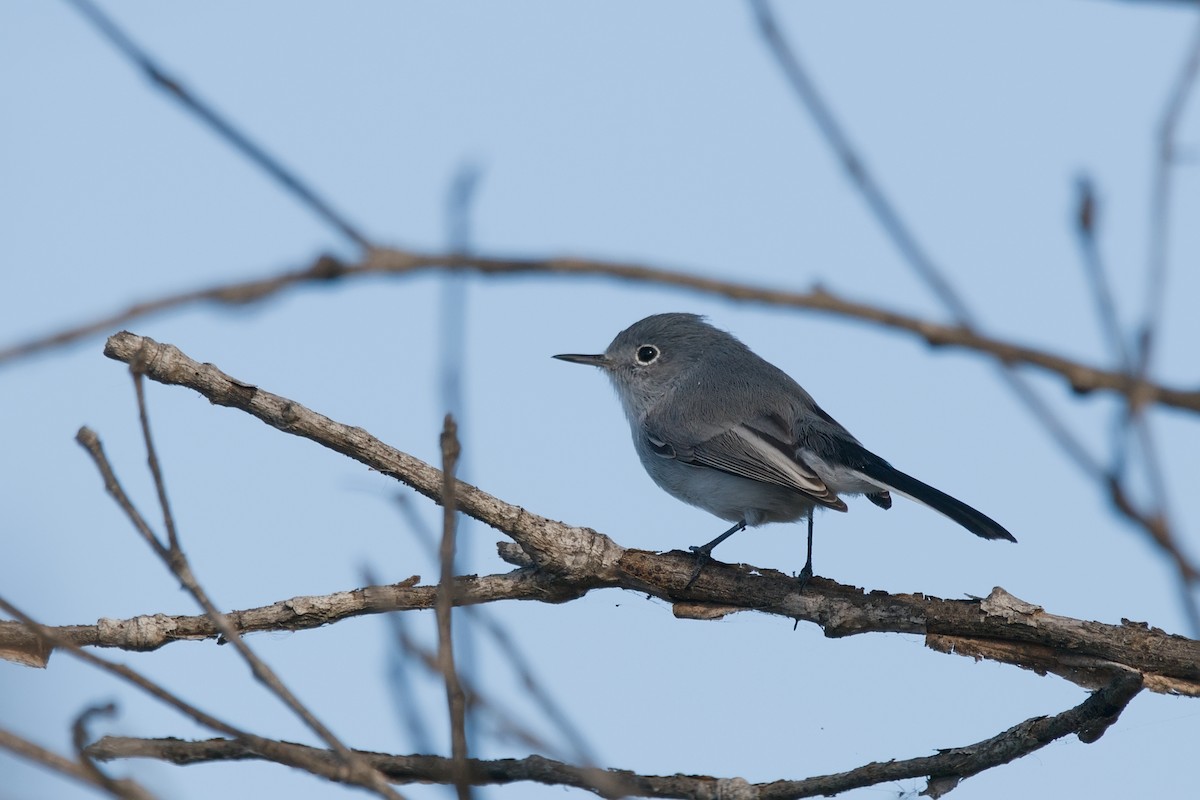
757 450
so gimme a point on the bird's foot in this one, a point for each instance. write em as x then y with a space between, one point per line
703 556
804 577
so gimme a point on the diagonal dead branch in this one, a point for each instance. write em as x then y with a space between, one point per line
1088 720
543 541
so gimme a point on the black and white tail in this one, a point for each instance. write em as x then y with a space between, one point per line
888 477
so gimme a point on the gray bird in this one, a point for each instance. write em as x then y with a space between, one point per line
720 428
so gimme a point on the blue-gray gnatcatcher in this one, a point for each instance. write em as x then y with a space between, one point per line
720 428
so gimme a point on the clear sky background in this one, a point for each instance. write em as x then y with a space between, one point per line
654 132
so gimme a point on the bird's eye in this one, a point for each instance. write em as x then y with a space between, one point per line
647 353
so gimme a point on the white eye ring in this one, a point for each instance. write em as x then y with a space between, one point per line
647 353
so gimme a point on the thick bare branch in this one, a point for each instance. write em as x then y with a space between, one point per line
152 631
1088 720
1000 627
571 560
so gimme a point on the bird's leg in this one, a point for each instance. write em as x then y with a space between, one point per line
704 551
807 573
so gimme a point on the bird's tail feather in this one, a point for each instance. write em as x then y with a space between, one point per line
892 479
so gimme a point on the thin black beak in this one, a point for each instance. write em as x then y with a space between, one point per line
592 361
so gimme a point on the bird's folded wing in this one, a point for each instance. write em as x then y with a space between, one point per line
750 452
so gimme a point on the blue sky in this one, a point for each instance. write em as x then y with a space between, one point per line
659 133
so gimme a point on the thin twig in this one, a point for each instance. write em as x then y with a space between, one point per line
160 485
90 442
444 609
222 126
